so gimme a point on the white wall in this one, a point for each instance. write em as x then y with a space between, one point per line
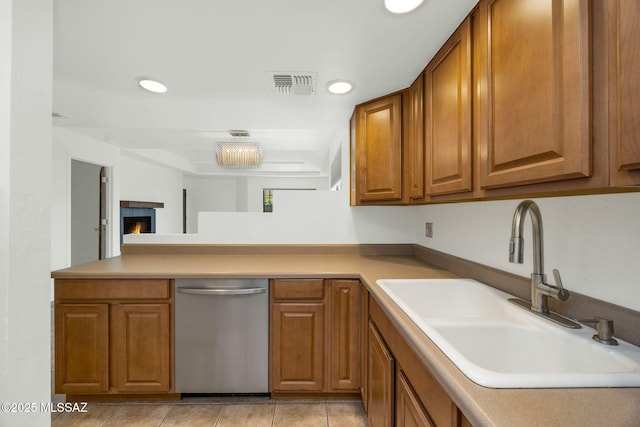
67 146
6 30
146 182
236 194
308 217
210 194
593 240
299 217
255 185
25 203
129 179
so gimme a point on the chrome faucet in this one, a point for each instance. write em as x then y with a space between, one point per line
540 290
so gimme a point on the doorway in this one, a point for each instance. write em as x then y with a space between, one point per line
88 212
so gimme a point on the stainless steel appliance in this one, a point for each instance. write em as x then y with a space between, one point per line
222 336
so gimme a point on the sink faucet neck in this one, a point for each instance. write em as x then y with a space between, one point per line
516 249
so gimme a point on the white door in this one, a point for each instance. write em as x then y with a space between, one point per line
85 212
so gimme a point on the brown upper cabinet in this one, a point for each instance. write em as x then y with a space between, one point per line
535 100
415 141
624 102
447 98
526 98
378 151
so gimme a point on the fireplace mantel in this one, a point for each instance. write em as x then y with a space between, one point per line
137 204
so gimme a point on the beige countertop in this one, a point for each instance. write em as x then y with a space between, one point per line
482 406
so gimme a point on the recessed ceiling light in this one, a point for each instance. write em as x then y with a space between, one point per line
401 6
151 85
340 87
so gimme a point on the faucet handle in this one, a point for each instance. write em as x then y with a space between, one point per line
563 295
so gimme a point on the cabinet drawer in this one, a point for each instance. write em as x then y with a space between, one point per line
112 289
297 289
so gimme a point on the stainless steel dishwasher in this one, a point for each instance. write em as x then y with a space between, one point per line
222 336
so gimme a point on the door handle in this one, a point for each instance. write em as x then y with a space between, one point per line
222 291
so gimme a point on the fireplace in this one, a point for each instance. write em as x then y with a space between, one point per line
137 217
138 224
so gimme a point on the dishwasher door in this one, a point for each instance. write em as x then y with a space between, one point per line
222 336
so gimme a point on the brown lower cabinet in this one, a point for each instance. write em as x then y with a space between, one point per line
298 350
409 411
141 347
82 348
113 337
380 376
400 389
315 336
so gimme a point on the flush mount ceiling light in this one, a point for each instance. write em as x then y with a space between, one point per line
239 155
151 85
402 6
340 87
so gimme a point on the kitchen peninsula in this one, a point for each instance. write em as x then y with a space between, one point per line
368 263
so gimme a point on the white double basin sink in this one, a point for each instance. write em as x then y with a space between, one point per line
497 344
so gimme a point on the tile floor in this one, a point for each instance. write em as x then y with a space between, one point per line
233 412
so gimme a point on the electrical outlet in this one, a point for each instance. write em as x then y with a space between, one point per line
428 229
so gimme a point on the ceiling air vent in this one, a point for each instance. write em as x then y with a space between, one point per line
286 83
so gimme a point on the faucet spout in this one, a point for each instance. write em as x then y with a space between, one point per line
540 290
516 247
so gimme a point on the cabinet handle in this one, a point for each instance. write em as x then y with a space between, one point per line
222 291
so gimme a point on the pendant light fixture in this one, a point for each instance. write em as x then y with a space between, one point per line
239 153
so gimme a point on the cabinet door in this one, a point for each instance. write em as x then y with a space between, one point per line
380 388
415 140
364 344
409 411
624 104
81 348
448 115
297 346
535 89
141 347
345 335
379 150
353 164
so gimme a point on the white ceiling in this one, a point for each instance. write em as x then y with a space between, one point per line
216 57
